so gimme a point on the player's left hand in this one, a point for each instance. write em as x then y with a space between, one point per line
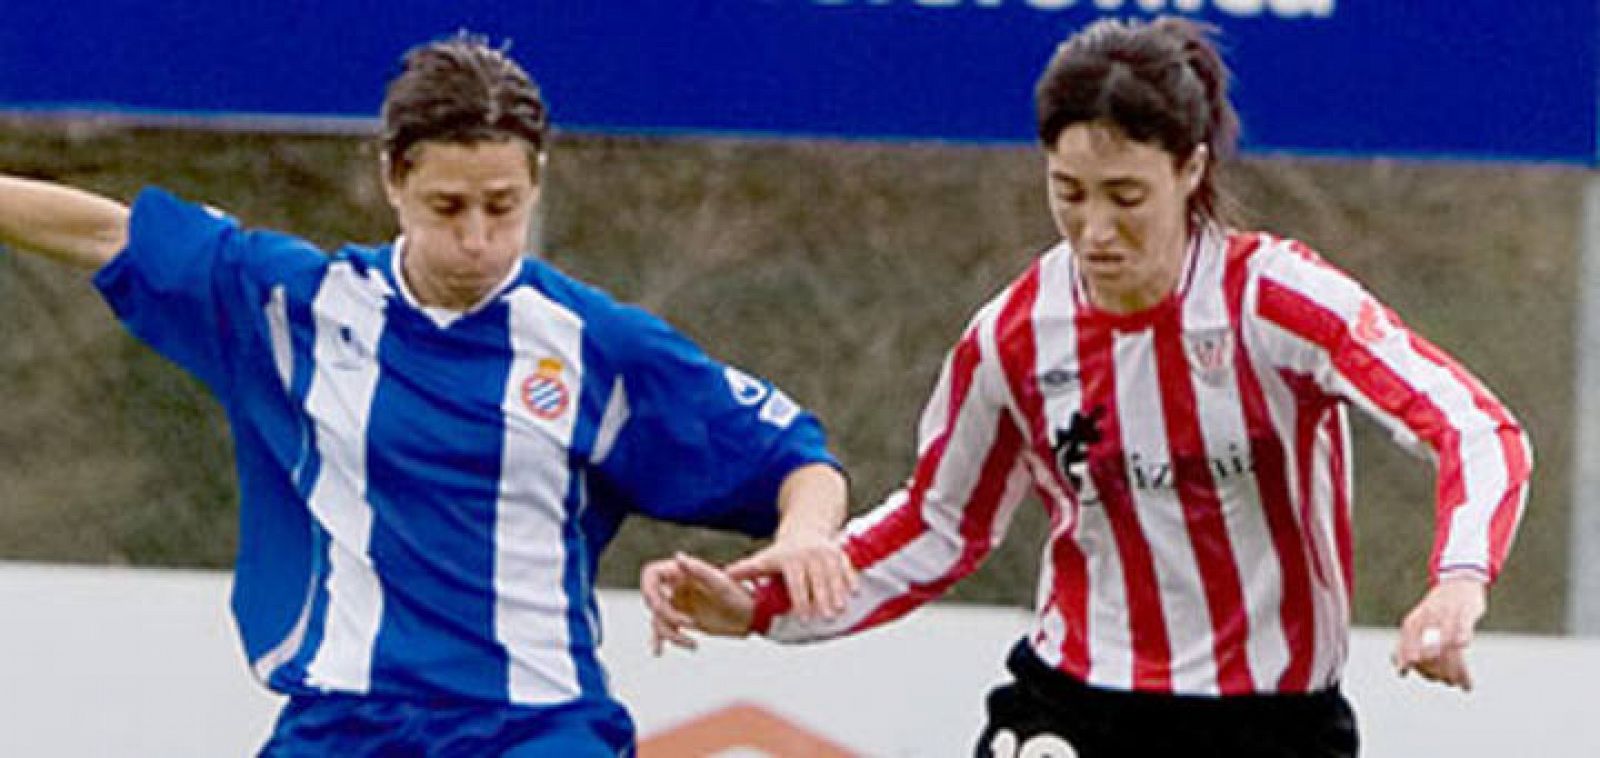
814 568
1435 634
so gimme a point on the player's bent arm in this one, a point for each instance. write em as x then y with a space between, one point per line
65 224
1325 325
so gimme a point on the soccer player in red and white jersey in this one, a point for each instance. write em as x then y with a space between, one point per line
1174 391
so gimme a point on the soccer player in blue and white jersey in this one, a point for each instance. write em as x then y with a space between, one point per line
436 438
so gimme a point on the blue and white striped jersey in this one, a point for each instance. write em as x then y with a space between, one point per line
423 499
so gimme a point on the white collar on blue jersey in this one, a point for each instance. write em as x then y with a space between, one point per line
442 317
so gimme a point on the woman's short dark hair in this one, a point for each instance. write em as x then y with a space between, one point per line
1160 82
463 91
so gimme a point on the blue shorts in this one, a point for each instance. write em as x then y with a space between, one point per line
351 726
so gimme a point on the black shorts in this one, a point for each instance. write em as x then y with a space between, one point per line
1044 713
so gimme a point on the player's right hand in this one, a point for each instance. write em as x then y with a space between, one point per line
1436 633
813 567
685 593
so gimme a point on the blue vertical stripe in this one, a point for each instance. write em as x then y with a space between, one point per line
433 469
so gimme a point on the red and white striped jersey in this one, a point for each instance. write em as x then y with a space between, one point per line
1194 460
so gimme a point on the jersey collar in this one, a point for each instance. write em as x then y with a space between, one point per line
441 317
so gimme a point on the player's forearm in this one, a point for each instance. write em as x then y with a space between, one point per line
813 501
64 224
1476 525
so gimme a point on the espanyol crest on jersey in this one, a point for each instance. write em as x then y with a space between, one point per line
544 393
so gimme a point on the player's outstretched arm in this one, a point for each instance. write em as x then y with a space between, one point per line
65 224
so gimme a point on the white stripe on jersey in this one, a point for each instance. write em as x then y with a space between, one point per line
530 554
611 422
1109 634
341 397
277 313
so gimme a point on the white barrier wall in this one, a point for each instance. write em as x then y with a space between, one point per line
122 662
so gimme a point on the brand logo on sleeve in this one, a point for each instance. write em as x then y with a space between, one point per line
747 390
543 392
1372 323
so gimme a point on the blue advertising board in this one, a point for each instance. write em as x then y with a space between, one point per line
1476 79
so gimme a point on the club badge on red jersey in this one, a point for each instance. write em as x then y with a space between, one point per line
1210 352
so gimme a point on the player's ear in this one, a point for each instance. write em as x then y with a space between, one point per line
390 181
1194 169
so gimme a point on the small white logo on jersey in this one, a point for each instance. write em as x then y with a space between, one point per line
747 390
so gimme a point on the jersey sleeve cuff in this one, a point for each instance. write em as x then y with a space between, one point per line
771 600
1463 571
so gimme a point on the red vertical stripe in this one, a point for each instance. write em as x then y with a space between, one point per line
1152 649
1343 535
1202 512
1296 612
1018 347
1311 406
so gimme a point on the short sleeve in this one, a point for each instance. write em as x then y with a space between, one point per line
190 280
704 443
